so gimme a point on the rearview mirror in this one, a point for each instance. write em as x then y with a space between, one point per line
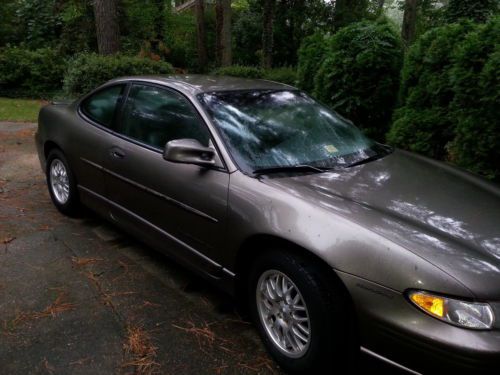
189 151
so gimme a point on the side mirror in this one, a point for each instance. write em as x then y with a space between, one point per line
189 151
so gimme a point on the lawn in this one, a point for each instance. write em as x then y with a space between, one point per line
19 110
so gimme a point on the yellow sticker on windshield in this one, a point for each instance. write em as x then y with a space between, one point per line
330 148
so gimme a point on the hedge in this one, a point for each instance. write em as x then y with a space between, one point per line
285 75
239 71
424 123
310 56
450 95
476 83
87 71
359 76
30 73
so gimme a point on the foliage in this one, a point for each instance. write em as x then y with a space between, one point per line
349 11
311 54
143 26
359 76
87 71
180 39
476 10
8 25
450 97
139 21
19 110
286 75
39 21
293 21
424 123
430 15
247 38
239 71
32 73
476 83
78 27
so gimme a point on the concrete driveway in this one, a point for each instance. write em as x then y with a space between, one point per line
79 297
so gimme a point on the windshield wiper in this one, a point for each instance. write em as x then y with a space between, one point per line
384 150
289 168
364 161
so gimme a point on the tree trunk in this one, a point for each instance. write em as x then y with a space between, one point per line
226 58
107 28
201 34
267 33
219 22
409 21
223 32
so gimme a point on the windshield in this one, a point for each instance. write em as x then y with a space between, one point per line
284 128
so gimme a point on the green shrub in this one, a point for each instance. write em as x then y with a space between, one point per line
360 75
30 73
247 37
450 94
311 54
424 123
476 83
285 75
477 10
239 71
180 39
87 71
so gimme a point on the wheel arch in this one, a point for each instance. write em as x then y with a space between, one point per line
49 146
256 244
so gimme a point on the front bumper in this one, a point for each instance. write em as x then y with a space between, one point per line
391 327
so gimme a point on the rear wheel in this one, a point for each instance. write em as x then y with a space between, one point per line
302 313
61 183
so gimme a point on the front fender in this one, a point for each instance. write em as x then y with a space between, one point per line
256 207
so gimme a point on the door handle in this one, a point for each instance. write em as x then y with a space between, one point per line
117 153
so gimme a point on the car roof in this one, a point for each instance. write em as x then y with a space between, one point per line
198 83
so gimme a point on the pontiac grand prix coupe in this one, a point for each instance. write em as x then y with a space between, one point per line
334 242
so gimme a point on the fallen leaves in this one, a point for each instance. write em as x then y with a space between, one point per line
7 240
80 362
59 305
81 262
47 366
203 334
208 340
139 347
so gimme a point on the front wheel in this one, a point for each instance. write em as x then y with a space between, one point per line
302 314
61 183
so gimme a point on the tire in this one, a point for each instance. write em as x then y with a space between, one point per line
61 183
331 345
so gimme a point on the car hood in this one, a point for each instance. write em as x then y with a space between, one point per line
449 217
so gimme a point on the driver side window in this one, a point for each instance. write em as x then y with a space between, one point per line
155 116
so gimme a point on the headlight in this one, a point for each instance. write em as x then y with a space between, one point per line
471 315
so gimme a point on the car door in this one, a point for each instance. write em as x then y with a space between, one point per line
182 206
91 141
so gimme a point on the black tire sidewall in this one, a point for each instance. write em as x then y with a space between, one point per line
330 349
71 206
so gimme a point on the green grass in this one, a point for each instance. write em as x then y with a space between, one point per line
19 110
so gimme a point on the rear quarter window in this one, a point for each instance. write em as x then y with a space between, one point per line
101 106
